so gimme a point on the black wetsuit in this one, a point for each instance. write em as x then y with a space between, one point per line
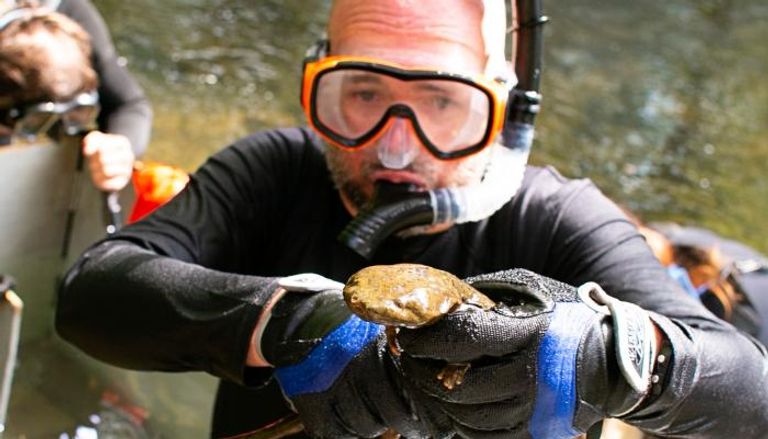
124 107
267 207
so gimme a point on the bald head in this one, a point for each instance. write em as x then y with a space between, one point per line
466 28
44 56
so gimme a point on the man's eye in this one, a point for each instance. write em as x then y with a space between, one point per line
441 102
365 95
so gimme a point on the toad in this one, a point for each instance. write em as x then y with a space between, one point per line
411 296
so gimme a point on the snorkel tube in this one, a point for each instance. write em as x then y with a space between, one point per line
397 207
525 99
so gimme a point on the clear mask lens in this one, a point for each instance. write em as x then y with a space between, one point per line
450 114
79 119
35 123
76 116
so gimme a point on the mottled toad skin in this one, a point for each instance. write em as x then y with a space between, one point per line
411 296
408 295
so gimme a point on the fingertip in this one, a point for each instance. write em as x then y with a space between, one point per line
89 147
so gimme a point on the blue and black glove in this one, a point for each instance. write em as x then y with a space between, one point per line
338 371
548 362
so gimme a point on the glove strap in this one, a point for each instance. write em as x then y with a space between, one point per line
256 356
299 283
634 339
556 394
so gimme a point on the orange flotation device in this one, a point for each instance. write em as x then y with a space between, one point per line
155 184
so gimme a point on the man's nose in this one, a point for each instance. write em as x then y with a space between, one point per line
398 146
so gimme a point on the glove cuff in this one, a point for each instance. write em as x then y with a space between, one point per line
616 358
302 311
327 358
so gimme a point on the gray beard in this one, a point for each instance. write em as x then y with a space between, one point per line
336 167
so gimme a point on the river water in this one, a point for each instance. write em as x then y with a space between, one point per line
663 104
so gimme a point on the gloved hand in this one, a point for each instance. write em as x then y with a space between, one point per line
546 361
337 370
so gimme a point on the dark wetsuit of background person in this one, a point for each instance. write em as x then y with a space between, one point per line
124 107
749 267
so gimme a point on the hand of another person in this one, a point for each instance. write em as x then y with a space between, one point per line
336 369
545 351
110 160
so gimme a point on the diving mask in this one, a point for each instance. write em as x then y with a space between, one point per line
353 101
75 116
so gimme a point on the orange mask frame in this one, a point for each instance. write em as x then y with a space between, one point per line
496 90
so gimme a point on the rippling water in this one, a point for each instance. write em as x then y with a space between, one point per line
215 70
663 104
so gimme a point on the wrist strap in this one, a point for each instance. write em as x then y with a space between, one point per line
299 314
634 340
661 369
256 357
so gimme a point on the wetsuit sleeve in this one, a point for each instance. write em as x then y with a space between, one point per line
183 288
717 385
124 107
133 308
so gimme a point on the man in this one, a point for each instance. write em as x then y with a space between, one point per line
125 118
410 92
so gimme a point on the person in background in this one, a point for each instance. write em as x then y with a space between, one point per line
241 274
47 82
125 119
727 276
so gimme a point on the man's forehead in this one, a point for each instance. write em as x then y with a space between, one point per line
402 13
478 25
380 24
429 8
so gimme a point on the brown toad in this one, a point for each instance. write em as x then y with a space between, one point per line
411 296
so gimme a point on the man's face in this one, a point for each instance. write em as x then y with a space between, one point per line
440 34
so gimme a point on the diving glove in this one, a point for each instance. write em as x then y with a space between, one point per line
547 362
337 370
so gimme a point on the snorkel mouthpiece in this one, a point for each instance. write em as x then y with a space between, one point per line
394 207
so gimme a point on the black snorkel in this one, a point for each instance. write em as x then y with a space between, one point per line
396 207
525 99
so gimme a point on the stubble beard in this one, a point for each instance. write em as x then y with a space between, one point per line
342 178
468 172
